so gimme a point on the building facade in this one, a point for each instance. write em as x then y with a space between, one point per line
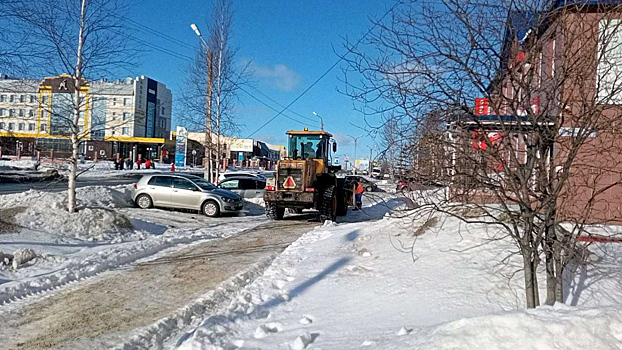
130 117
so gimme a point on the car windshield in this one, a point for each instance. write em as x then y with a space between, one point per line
204 185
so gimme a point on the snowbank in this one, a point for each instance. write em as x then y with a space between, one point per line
404 283
546 328
95 221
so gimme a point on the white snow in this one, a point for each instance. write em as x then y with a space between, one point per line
373 284
106 233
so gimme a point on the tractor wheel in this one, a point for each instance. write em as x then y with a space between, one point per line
342 205
273 212
329 205
295 210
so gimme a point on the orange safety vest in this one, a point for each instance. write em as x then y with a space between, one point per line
359 188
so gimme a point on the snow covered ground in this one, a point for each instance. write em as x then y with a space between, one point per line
107 232
373 284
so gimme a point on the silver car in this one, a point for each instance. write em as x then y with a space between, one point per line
185 192
246 186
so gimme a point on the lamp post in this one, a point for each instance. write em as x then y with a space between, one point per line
371 161
321 120
208 114
356 140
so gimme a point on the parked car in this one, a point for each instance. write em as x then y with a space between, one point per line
232 174
245 186
369 186
184 192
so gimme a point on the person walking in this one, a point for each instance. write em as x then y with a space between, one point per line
358 194
148 164
138 161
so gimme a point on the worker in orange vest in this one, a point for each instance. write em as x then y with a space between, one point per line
358 195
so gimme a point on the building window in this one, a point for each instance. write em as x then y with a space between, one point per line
44 127
22 98
21 126
21 112
81 129
11 113
126 131
31 126
31 113
2 98
127 101
114 101
11 126
12 98
126 116
45 99
163 109
33 98
2 125
114 115
2 111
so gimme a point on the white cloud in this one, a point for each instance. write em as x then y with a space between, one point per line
279 76
343 140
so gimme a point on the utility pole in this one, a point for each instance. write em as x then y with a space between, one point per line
371 161
208 117
356 140
208 175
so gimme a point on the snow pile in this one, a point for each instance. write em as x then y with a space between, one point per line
546 328
107 256
257 201
19 164
95 221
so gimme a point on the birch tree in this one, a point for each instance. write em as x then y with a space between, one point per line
228 77
85 38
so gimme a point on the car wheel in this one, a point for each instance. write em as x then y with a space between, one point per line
369 188
210 208
144 201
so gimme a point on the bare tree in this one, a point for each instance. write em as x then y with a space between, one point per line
225 85
547 79
84 38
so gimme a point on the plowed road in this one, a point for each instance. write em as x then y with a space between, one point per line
100 313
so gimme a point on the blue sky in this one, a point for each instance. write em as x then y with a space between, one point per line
290 43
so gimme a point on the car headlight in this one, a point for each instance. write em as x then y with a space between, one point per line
229 200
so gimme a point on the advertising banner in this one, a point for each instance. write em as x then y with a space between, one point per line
241 145
181 144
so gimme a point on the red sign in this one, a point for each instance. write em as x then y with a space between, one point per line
481 106
289 183
520 56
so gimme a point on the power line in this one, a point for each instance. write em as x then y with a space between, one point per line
149 30
327 71
189 59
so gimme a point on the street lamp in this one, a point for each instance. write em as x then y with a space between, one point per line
321 120
356 140
208 118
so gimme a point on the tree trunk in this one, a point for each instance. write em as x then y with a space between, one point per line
549 255
530 291
73 162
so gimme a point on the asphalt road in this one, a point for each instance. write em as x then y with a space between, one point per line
60 185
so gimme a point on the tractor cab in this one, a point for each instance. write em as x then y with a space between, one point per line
309 145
